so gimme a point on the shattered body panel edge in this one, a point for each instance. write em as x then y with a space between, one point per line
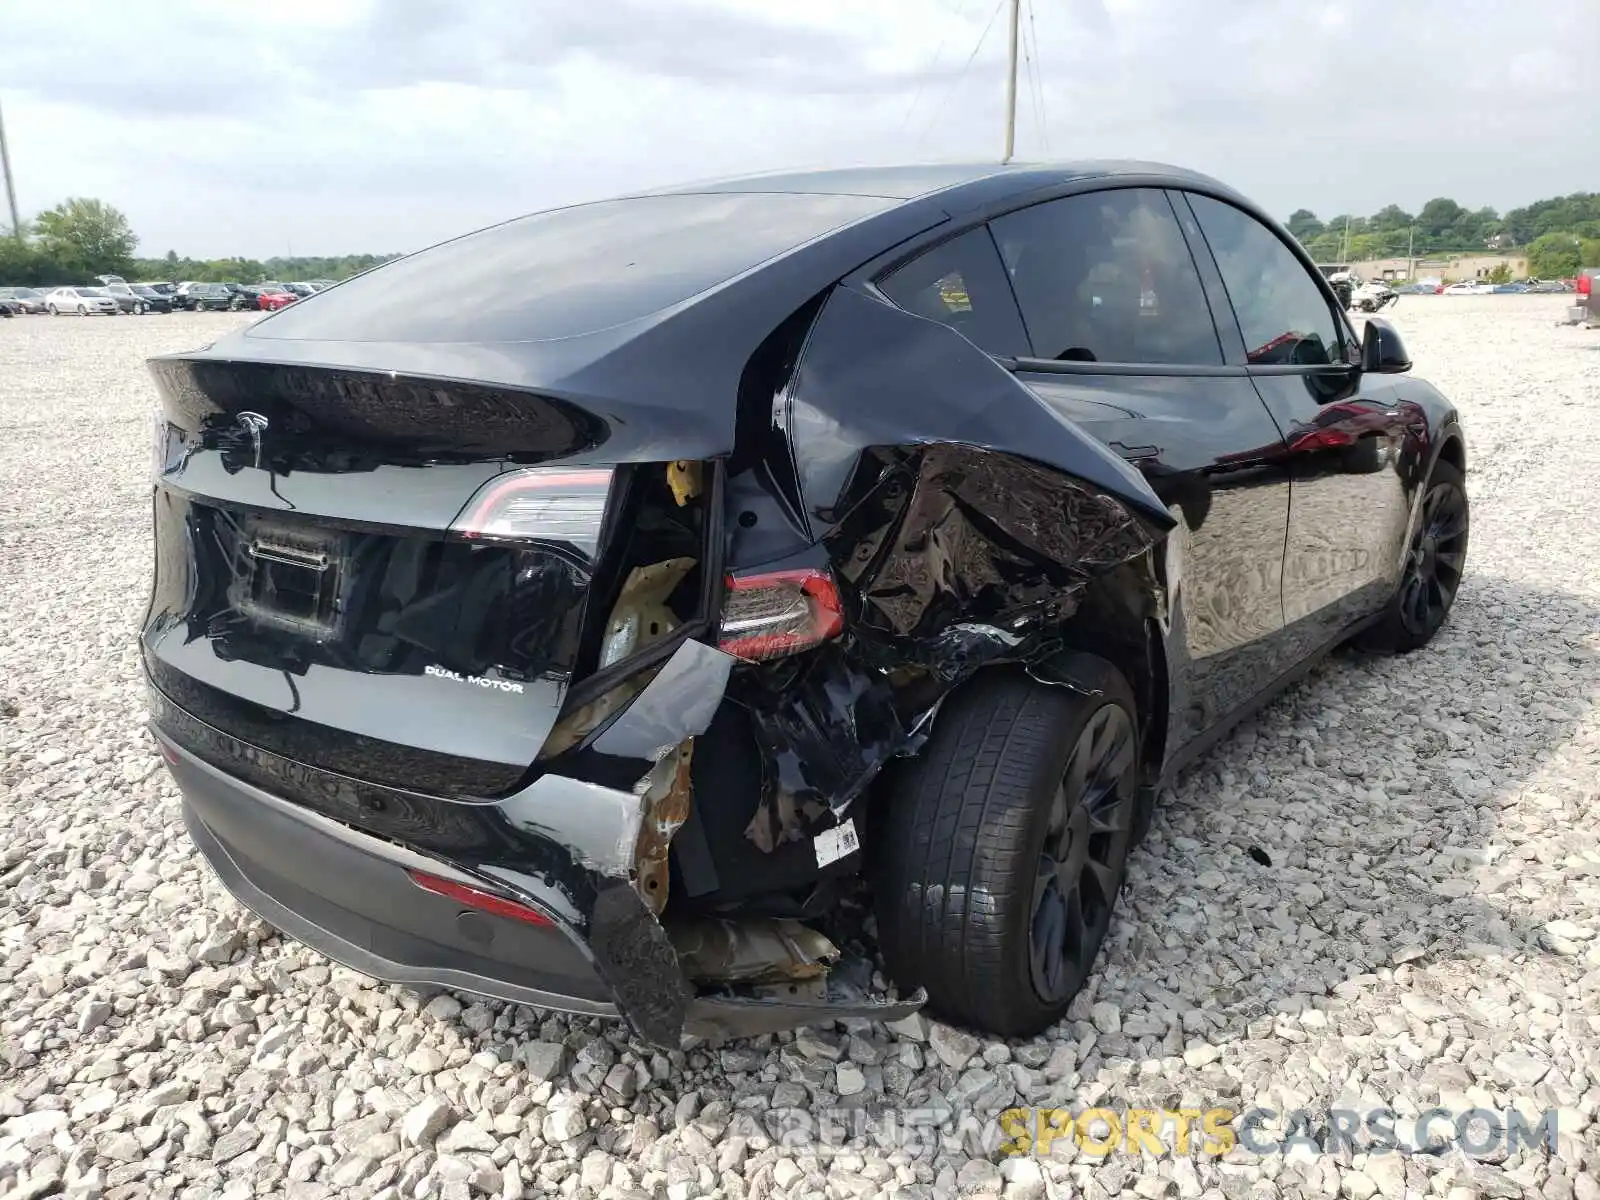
964 523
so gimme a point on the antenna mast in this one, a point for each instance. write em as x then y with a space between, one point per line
1011 85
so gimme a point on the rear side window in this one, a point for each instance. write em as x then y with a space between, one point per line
1108 277
960 283
1283 314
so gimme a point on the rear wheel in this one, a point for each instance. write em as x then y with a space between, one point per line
83 310
1005 846
1434 564
54 311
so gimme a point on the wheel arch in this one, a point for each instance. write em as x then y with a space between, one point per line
1453 449
1116 622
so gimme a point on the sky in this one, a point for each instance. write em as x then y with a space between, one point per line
352 126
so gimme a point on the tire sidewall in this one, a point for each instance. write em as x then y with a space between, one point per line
1101 676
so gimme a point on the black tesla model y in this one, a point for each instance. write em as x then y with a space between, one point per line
613 609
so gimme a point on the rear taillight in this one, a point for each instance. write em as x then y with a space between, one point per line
479 899
774 613
1585 285
557 504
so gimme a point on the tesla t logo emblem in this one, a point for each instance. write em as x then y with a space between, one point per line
253 424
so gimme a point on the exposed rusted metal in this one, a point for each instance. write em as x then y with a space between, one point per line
667 797
756 950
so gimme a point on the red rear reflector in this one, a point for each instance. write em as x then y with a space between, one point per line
482 901
1585 285
776 613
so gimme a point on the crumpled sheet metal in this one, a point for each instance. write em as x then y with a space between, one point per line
752 950
678 703
603 830
953 557
978 538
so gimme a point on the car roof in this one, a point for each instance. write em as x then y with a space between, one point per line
954 181
655 299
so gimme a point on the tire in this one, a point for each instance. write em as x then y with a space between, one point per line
975 848
83 310
1435 560
139 310
54 311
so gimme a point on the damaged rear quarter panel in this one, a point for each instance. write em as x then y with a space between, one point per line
964 522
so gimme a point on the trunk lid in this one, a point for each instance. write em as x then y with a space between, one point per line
348 577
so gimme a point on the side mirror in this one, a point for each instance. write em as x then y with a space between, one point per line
1382 351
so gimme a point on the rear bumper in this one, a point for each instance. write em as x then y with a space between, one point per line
332 869
349 896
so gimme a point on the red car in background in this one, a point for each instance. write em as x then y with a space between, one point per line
1587 286
271 301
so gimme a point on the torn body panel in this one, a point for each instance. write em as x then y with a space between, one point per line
964 523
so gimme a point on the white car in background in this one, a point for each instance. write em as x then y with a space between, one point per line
80 300
1470 287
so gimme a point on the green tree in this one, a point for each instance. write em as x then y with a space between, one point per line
1304 225
87 235
1589 252
1500 273
1436 222
1553 256
1559 214
1390 218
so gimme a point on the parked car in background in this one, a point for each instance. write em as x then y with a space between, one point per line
1469 287
156 301
1587 289
81 300
616 639
271 299
300 289
248 295
1510 289
1372 295
9 308
202 297
128 300
23 299
104 280
165 287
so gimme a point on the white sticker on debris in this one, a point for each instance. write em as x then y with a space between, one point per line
833 844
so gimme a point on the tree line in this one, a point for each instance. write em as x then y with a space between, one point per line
1556 235
81 238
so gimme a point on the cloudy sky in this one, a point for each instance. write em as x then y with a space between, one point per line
340 126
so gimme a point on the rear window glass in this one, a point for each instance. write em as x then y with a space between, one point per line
961 283
571 271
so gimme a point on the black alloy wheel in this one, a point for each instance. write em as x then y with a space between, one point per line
1437 558
1435 562
1086 847
1002 846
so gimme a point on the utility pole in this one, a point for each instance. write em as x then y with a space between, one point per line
1344 255
11 190
1011 85
1411 254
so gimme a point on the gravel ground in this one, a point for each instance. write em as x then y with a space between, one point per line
1383 893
